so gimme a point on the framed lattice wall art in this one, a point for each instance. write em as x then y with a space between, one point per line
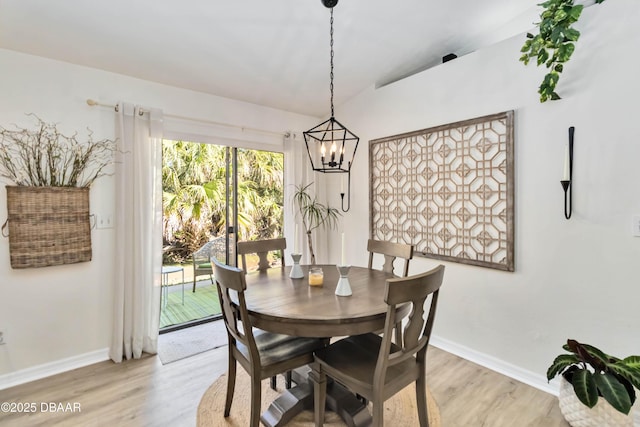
448 190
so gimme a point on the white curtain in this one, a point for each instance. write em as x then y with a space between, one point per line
138 258
298 172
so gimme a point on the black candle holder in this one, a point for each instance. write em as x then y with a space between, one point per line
566 184
348 192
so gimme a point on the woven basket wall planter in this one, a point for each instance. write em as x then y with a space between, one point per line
601 415
48 226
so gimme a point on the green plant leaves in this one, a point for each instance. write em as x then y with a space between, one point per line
571 34
575 11
632 361
555 42
613 391
597 353
628 369
594 373
313 214
585 387
560 364
548 85
565 51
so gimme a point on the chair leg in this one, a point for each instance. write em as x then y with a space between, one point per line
319 380
377 408
288 380
421 401
377 413
255 400
231 383
273 383
194 282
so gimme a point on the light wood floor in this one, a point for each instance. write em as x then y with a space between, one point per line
146 393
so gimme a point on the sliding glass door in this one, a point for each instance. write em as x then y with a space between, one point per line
213 196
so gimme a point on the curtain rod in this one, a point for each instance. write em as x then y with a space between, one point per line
93 103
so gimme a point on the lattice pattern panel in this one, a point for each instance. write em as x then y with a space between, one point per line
447 190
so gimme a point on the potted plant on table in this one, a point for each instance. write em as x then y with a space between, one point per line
587 374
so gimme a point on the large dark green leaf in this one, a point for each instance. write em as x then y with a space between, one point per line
565 51
543 55
627 371
560 364
613 391
572 34
557 36
560 15
585 387
598 354
633 362
575 12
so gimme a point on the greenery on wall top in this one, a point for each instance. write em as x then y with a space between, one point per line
555 42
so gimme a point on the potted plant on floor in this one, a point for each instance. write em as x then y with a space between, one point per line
587 374
313 214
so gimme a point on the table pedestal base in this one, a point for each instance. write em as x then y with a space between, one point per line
292 401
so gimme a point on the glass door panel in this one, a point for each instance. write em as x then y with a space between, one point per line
212 196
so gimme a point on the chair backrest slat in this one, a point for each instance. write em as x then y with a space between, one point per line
262 249
391 251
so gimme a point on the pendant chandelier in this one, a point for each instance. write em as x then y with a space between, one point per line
330 145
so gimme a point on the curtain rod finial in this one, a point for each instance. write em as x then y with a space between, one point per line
91 102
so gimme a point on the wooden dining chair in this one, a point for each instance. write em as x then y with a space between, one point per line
262 354
391 251
371 365
262 249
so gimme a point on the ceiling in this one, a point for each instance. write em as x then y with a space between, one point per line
272 53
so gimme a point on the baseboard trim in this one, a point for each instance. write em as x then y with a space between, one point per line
512 371
52 368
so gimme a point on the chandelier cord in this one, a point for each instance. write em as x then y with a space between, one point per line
331 73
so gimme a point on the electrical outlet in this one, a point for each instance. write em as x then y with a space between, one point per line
3 336
104 221
636 226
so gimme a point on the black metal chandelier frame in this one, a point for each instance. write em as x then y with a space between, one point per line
331 138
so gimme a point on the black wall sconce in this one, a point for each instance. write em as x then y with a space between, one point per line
567 175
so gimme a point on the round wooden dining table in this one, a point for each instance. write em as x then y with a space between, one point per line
278 303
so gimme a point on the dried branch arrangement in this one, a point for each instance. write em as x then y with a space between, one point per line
44 157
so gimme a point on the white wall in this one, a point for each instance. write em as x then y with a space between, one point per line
573 279
63 313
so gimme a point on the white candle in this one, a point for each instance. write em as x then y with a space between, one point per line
565 172
295 239
343 253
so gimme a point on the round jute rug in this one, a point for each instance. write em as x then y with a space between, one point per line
399 410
